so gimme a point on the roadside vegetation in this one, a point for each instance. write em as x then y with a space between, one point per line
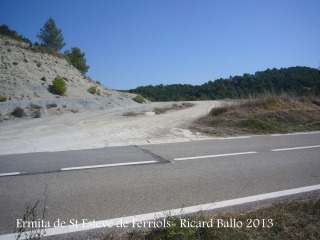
287 220
268 113
173 107
157 111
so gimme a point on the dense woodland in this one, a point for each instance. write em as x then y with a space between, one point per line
293 80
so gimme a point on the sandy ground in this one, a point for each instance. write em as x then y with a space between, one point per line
101 129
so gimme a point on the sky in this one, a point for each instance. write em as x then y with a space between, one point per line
131 43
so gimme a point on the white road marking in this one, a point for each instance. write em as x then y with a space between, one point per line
223 138
174 212
108 165
293 134
213 156
294 148
9 174
240 137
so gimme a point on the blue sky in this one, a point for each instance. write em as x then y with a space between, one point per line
130 43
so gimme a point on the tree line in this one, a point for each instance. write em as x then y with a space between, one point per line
51 41
293 80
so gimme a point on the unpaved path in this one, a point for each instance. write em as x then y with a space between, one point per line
101 129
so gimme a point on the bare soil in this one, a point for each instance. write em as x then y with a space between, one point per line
109 127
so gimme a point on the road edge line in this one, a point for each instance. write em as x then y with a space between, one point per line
294 148
174 212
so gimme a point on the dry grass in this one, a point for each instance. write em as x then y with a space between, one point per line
157 111
18 112
288 220
262 115
131 114
173 107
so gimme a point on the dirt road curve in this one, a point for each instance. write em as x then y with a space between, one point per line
101 129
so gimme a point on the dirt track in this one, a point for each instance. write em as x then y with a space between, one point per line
101 129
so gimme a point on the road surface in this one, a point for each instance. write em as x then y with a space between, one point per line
114 182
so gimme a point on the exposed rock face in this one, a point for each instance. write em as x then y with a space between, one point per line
25 77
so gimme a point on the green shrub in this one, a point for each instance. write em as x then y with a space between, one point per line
18 112
77 59
98 82
138 99
92 90
3 99
39 64
58 86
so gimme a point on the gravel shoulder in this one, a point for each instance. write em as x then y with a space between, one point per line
104 128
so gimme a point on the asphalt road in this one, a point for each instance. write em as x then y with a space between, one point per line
124 181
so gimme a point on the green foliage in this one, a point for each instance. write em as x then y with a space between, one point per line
51 36
92 90
77 59
138 99
5 30
3 99
294 80
39 64
58 86
98 82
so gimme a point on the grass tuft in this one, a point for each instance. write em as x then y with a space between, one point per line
286 220
18 112
138 99
264 114
3 99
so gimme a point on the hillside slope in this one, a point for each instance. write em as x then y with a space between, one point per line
25 77
299 81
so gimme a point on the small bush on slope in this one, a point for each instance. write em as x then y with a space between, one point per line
58 86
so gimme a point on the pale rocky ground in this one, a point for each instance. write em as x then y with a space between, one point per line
25 77
80 120
103 128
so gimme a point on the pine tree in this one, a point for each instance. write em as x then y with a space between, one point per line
77 59
51 36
